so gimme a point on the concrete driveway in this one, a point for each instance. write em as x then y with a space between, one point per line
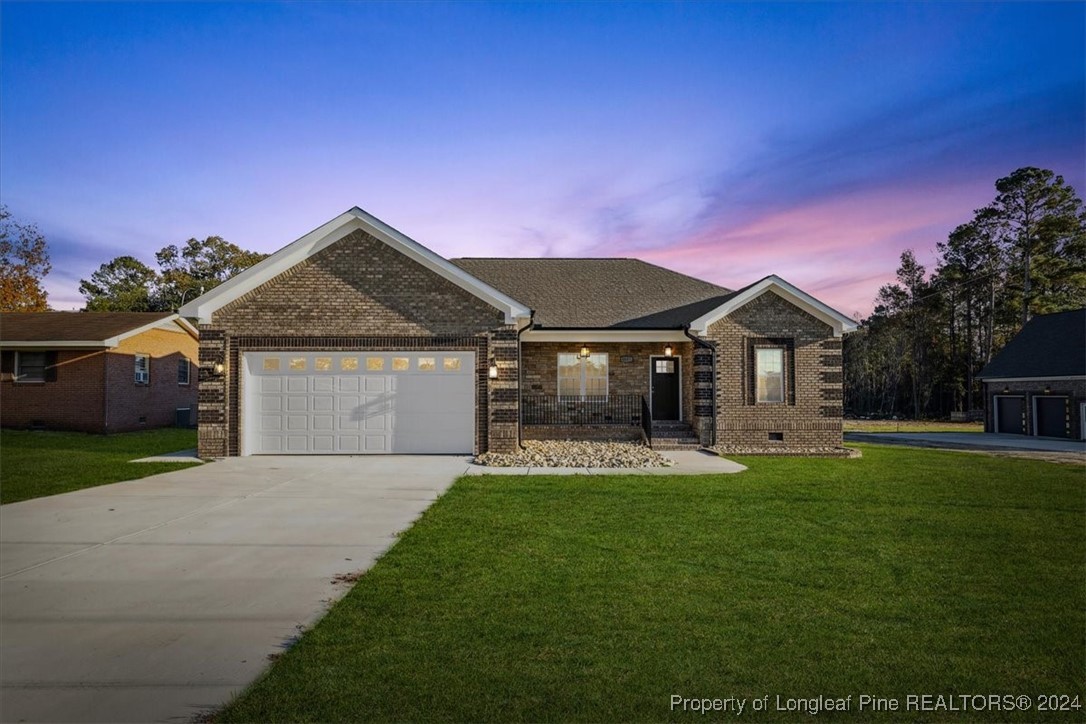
157 599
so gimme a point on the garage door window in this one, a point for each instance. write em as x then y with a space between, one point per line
400 364
452 364
348 364
323 364
427 364
271 364
375 364
297 364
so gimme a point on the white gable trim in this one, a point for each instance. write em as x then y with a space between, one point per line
839 322
324 236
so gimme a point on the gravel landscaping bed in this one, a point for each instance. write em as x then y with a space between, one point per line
813 452
575 454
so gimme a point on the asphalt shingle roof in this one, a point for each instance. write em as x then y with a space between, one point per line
71 326
599 293
1051 345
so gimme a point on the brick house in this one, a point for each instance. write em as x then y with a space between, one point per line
97 371
357 339
1036 385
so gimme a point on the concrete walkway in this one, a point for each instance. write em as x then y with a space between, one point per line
158 599
687 462
970 441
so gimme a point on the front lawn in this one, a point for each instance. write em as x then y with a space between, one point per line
33 464
598 598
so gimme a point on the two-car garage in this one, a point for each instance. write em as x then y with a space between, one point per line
343 403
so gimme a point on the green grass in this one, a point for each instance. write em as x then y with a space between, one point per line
597 598
34 464
912 426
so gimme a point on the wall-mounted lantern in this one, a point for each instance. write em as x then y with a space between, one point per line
218 369
492 373
668 350
584 351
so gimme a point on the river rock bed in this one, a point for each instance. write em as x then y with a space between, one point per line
577 454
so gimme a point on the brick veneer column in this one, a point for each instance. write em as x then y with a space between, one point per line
703 395
503 397
211 407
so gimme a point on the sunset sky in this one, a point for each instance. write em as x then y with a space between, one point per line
728 141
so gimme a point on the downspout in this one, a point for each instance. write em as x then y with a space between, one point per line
520 379
712 352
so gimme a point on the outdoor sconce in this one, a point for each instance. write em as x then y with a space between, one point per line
1006 390
219 369
668 351
492 373
1048 390
584 351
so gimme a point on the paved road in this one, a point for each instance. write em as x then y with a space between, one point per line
157 599
970 441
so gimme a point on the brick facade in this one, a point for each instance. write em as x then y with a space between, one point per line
356 294
810 416
1074 390
95 390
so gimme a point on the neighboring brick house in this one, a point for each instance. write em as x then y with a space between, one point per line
97 371
357 339
1036 385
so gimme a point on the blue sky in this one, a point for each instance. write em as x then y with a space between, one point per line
728 141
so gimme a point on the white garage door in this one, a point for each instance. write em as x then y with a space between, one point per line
342 403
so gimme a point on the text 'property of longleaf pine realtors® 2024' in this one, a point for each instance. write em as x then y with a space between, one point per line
989 702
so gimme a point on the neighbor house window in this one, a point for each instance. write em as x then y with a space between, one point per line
182 371
582 376
143 369
30 366
769 374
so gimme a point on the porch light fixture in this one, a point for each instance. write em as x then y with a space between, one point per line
1048 390
1006 390
492 373
219 368
668 351
584 351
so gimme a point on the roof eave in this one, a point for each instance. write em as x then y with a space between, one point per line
838 322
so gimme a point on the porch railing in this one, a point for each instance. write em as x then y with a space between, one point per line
575 410
646 421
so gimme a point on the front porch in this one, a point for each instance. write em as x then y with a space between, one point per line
643 390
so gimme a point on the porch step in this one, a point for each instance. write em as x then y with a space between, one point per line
673 435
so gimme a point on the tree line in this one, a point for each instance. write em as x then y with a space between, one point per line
919 352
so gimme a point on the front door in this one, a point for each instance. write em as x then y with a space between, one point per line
665 382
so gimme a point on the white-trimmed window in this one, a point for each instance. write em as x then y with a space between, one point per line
769 374
582 376
183 371
30 366
143 369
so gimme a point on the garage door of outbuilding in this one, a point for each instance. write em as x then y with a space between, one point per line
351 403
1010 414
1051 413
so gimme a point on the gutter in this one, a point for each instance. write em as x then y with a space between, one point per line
706 344
520 379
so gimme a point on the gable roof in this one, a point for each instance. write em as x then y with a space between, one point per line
327 234
81 329
599 293
1050 345
773 284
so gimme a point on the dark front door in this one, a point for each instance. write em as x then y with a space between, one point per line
1052 416
664 379
1011 415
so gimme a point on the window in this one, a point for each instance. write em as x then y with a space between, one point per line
182 371
30 367
271 364
400 364
375 364
769 374
323 364
143 369
582 376
665 366
427 364
452 364
348 364
297 363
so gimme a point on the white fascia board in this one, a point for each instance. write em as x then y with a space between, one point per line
56 344
837 321
604 335
165 321
1031 379
324 236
